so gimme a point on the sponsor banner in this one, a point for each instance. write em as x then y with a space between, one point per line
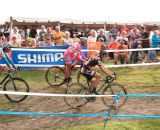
39 57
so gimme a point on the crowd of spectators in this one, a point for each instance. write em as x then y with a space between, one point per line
113 39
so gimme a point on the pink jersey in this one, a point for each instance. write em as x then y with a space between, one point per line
74 52
74 48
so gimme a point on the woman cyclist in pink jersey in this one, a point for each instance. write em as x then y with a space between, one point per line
74 53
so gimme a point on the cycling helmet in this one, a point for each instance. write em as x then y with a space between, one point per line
102 53
7 45
83 39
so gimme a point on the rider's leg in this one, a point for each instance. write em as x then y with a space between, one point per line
3 68
68 61
67 70
95 83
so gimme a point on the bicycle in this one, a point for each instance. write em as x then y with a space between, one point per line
54 75
14 84
106 87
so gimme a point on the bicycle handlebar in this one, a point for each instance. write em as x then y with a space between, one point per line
14 71
109 79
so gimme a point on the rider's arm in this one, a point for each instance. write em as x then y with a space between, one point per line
10 61
106 71
4 60
82 55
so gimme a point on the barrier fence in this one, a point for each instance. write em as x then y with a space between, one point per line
45 57
105 115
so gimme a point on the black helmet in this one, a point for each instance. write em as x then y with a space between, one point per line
102 53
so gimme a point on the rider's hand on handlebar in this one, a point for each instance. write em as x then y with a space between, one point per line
113 75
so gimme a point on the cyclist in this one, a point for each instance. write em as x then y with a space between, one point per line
74 53
6 48
87 71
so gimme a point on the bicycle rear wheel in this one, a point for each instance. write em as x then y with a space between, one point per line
55 76
16 85
81 80
75 102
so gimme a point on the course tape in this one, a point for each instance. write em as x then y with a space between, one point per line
77 95
139 95
53 95
76 115
62 50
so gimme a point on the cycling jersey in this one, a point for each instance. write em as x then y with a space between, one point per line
5 59
86 67
73 53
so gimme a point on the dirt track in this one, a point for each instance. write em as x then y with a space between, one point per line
143 106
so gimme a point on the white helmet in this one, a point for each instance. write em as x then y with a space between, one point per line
7 45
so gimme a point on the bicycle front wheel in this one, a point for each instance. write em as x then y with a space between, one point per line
75 102
119 89
55 76
16 85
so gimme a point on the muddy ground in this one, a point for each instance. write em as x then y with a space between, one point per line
139 106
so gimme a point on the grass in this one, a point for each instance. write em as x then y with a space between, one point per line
123 125
134 78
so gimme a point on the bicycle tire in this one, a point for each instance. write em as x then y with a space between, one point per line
108 101
119 89
19 82
55 76
75 102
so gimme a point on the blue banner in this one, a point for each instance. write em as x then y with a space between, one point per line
39 57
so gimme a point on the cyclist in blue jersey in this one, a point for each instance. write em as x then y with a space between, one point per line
6 48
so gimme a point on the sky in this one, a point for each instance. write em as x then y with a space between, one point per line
87 10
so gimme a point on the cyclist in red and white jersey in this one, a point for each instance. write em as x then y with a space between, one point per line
74 53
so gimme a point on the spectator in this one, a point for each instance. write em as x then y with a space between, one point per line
134 42
15 42
6 30
103 44
73 30
114 31
42 33
49 42
145 40
58 36
112 46
67 40
93 36
33 43
2 39
152 56
75 38
124 29
117 55
123 36
155 40
16 34
33 32
101 35
86 31
48 34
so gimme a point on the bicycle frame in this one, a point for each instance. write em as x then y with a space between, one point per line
5 78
